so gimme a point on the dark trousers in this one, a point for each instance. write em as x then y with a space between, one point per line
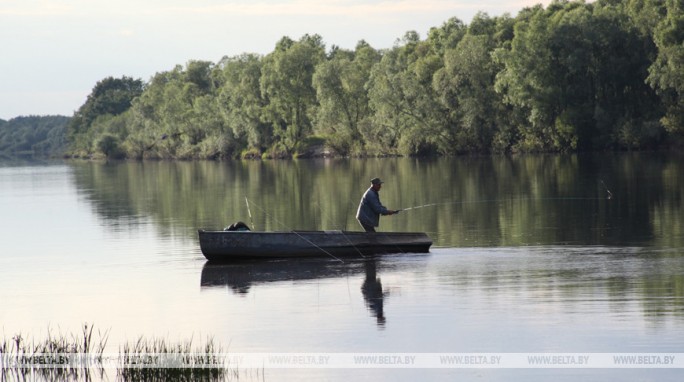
368 228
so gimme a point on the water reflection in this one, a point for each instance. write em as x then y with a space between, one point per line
240 277
373 293
120 250
490 201
627 281
496 202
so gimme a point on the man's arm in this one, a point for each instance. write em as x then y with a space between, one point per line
374 203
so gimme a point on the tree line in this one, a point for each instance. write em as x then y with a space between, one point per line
571 76
42 136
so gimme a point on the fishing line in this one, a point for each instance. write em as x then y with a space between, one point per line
345 236
295 232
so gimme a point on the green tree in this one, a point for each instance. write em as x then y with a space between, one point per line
179 116
340 87
666 75
242 104
108 145
406 119
626 109
645 15
577 72
447 36
34 135
286 83
466 88
111 96
566 77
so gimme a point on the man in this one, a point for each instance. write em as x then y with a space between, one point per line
370 207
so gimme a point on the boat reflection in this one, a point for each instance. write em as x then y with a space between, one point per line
240 277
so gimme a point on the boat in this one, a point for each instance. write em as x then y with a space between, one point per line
243 244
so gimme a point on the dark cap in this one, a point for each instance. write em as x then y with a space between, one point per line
376 181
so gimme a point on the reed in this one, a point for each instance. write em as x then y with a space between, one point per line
148 359
175 361
24 360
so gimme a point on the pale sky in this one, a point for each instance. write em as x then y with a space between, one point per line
52 52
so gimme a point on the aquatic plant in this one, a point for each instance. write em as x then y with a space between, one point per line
61 357
58 357
159 360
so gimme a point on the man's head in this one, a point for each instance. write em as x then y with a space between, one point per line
376 183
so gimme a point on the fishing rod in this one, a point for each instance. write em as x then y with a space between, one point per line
250 213
417 207
399 250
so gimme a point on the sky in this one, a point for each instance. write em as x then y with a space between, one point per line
53 52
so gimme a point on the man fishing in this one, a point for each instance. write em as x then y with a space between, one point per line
370 207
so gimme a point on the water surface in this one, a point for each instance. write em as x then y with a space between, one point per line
533 254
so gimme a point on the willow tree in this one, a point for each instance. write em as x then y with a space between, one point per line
667 73
178 115
241 102
286 84
406 119
577 71
465 86
340 84
110 97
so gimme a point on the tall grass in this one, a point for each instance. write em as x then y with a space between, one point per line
24 359
179 361
20 357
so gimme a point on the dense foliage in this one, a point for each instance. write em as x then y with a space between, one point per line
35 136
571 76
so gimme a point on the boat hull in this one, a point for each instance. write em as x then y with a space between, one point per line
229 245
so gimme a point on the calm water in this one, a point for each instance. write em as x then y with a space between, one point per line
530 255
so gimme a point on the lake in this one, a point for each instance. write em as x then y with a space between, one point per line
532 255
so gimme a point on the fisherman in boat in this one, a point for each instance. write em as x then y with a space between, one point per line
370 207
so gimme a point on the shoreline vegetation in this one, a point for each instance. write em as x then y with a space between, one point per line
569 77
78 357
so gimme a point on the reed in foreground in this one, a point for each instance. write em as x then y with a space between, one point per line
157 359
82 358
52 358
